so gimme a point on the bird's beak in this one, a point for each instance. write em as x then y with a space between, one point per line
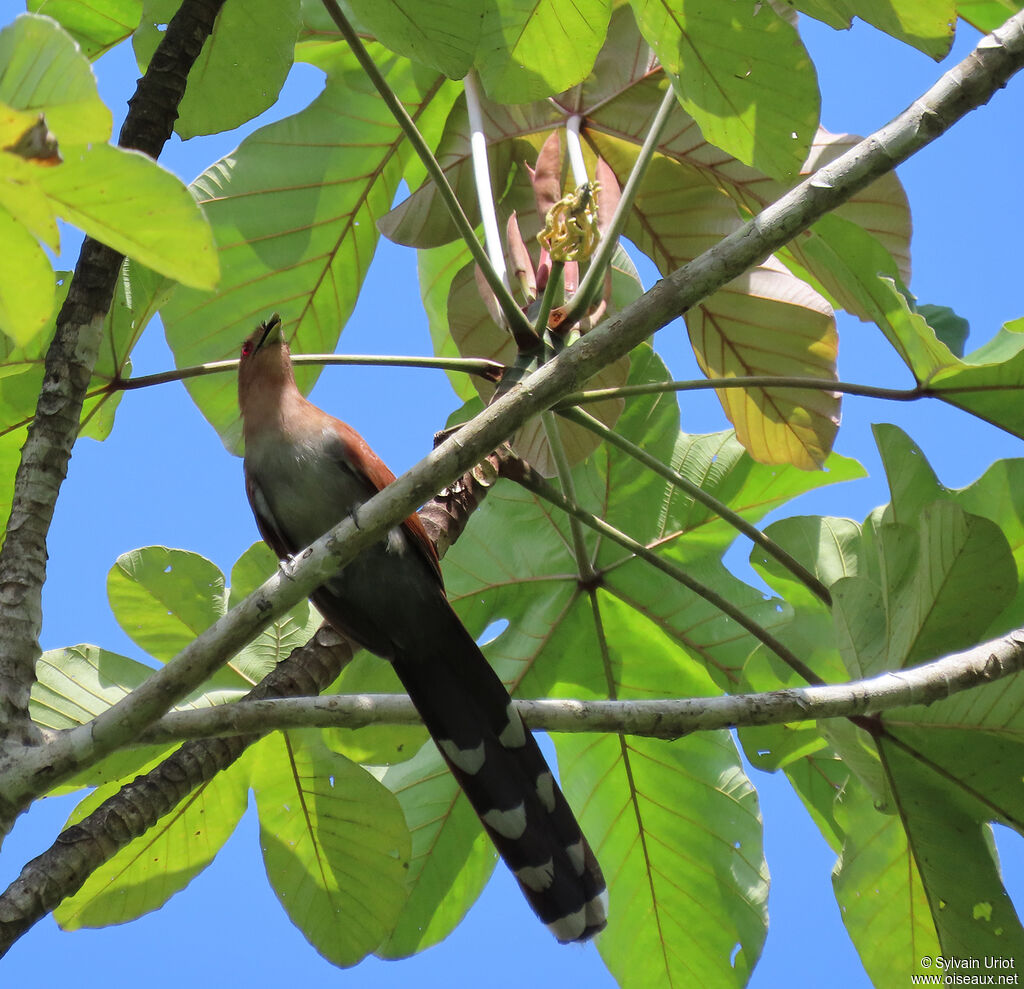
271 332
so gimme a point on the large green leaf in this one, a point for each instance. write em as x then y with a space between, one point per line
742 73
144 874
290 631
129 202
942 583
43 70
119 197
928 25
980 382
952 846
294 212
75 684
438 33
163 598
530 49
78 683
335 844
241 68
375 744
97 25
998 496
677 830
881 896
452 857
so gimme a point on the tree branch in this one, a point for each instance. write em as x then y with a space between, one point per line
68 368
668 719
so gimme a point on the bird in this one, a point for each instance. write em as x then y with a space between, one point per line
305 471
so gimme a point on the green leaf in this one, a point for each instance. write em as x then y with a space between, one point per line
997 496
951 329
288 632
163 598
452 857
965 577
953 850
376 744
986 15
78 683
742 73
144 874
928 25
335 844
863 277
718 464
294 216
880 893
26 282
241 68
442 35
129 202
678 832
43 70
942 583
529 49
97 25
980 383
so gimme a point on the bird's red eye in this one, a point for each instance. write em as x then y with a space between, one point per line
247 348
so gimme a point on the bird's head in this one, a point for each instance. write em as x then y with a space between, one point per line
265 362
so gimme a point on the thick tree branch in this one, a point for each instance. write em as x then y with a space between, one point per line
968 85
923 684
68 368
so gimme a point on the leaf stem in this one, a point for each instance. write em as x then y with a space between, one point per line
547 300
752 381
583 563
482 176
575 150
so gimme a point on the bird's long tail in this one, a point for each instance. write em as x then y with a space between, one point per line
499 766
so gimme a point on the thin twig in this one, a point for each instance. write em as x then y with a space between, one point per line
751 381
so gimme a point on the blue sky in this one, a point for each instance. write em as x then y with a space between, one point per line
164 478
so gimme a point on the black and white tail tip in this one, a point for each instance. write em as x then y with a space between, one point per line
533 828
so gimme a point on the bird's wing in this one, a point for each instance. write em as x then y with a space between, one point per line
353 448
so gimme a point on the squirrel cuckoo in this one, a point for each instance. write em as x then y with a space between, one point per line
304 472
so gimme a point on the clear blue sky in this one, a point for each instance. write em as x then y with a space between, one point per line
164 478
